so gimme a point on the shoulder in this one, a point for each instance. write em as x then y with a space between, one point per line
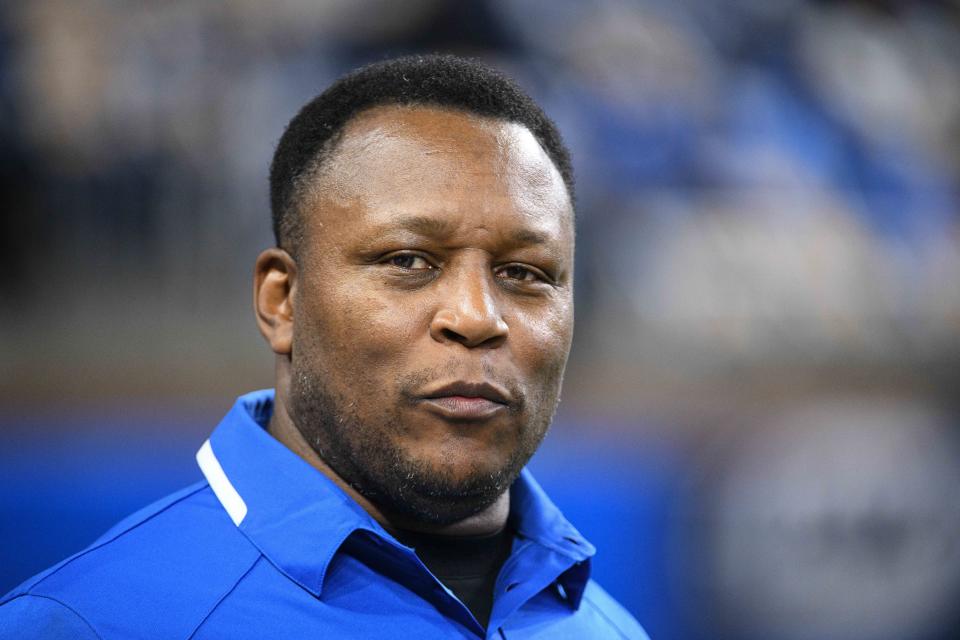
163 568
611 612
25 617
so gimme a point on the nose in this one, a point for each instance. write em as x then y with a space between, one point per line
467 311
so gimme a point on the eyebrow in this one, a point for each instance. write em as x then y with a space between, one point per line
529 236
439 227
423 225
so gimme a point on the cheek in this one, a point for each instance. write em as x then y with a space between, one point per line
544 341
353 331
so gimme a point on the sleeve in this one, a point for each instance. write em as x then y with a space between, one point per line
29 617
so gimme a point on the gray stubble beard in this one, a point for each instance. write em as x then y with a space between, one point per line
380 471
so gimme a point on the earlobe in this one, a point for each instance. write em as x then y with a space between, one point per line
274 282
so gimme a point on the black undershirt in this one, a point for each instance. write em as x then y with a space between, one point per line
468 566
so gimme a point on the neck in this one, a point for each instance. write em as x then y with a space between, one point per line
489 521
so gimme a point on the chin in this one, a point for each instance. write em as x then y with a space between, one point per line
441 510
463 468
439 491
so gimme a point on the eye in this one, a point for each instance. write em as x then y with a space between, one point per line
520 273
408 261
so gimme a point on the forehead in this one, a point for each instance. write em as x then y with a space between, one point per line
391 159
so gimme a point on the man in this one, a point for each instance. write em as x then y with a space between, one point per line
420 306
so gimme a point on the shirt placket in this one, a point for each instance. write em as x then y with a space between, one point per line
529 570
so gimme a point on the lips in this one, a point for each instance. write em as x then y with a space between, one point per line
466 400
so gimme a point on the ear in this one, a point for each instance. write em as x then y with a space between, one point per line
274 280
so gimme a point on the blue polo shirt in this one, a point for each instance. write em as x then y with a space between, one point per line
267 547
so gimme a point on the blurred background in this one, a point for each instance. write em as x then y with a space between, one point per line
760 426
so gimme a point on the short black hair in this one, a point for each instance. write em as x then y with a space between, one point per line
435 80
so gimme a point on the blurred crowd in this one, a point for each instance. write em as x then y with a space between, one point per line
768 255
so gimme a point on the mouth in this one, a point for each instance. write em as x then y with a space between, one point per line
466 400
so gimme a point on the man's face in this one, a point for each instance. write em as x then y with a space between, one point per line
433 308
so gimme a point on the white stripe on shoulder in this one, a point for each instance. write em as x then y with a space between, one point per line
220 483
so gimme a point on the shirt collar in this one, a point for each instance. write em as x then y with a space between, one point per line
538 519
299 518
